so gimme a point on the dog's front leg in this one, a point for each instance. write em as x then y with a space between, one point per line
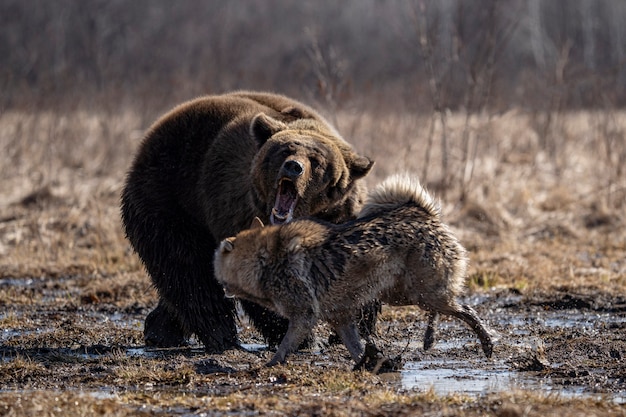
297 331
350 337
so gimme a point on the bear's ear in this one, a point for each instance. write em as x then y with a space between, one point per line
360 166
294 112
264 127
256 224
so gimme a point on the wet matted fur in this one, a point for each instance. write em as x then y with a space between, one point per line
398 250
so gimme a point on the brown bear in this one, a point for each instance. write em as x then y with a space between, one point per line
202 173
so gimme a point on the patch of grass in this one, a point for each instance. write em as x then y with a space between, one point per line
10 320
18 295
141 372
483 280
401 313
21 369
52 403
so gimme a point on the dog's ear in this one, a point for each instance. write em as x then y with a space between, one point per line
256 223
227 245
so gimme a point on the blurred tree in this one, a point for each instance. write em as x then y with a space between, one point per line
160 51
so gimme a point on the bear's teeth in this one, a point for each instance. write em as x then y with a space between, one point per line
277 218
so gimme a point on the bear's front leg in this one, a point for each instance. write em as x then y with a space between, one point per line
272 326
163 329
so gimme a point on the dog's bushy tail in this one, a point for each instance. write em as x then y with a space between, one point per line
398 190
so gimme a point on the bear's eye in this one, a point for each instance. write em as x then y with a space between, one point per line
316 162
320 167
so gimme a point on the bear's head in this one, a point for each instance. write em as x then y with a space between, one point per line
303 168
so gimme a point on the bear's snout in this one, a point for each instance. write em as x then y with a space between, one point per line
292 168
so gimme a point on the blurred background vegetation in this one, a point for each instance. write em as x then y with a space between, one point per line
417 54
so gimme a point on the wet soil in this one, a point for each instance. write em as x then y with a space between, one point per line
68 346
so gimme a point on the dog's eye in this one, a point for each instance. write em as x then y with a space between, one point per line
263 256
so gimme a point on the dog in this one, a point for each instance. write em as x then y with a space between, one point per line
398 251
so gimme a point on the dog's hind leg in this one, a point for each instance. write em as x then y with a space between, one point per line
429 335
469 316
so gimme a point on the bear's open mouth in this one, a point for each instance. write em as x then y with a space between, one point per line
286 200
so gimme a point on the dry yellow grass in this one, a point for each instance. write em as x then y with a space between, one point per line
538 208
61 176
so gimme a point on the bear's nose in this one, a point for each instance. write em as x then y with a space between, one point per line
293 168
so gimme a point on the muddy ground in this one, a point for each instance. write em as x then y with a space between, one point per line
79 351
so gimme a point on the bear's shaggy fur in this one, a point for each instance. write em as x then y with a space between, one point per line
398 251
202 173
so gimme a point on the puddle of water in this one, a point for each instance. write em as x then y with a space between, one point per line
16 282
449 377
469 377
590 320
103 394
458 377
136 351
155 352
254 347
124 321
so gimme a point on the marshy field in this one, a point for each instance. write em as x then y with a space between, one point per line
537 199
510 112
